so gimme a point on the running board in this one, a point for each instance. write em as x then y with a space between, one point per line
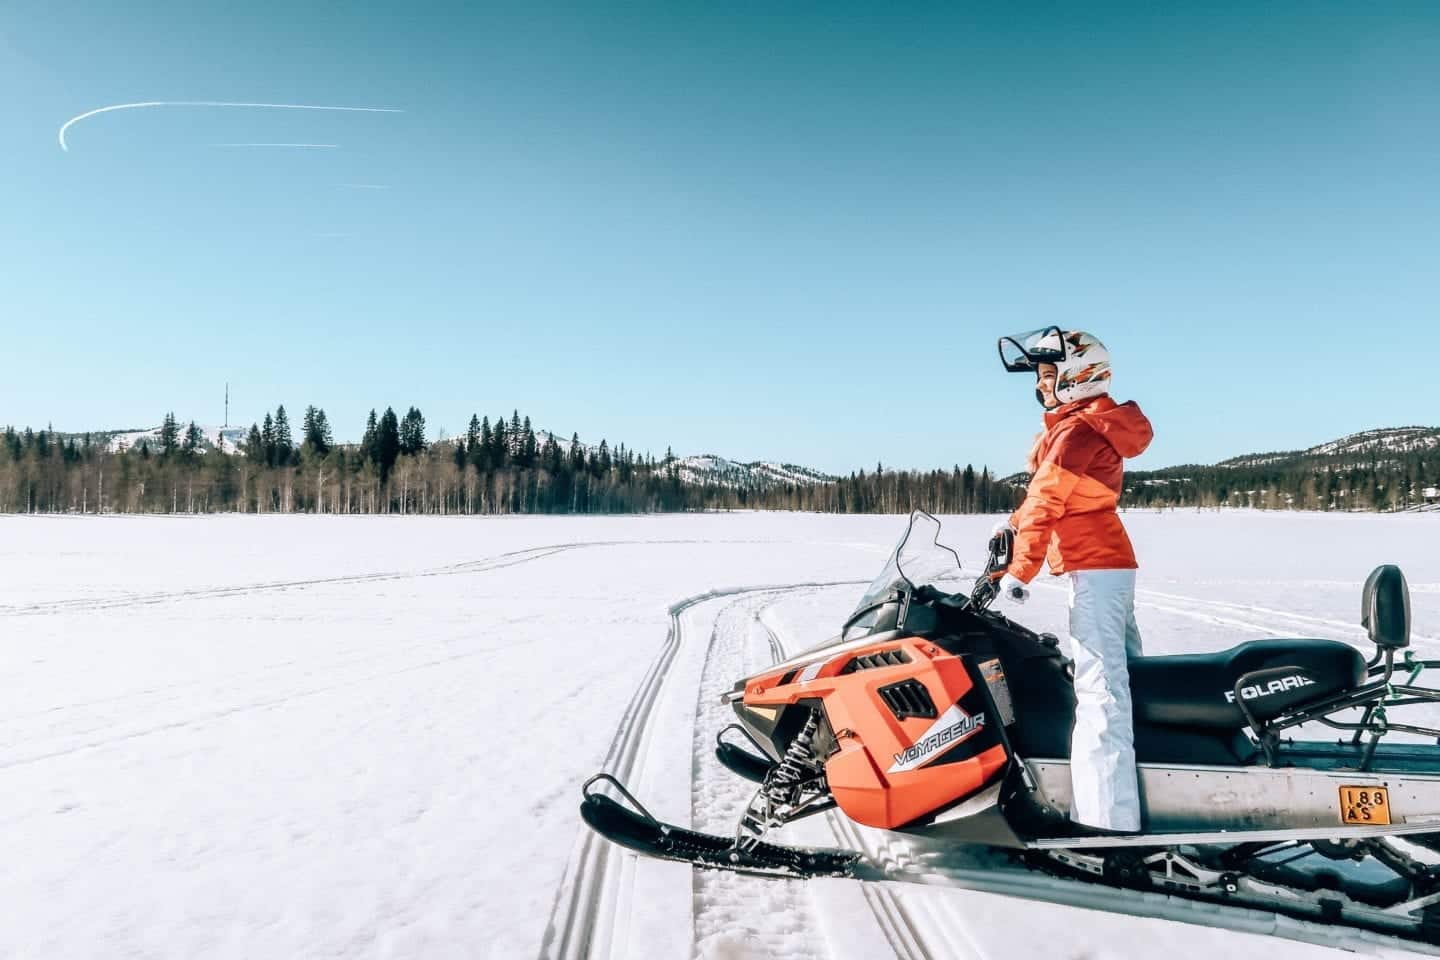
1155 840
1194 803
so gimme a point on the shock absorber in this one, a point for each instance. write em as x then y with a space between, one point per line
798 764
781 793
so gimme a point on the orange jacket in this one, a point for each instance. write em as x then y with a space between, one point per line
1068 517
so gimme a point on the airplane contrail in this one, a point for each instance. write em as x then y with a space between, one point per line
210 103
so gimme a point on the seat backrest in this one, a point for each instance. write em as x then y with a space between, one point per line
1385 608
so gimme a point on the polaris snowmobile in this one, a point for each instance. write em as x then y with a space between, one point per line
935 715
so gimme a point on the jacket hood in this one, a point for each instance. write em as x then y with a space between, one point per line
1121 425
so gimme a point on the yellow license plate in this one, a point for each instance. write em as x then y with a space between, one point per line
1365 805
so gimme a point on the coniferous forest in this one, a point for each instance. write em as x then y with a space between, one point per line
505 467
497 467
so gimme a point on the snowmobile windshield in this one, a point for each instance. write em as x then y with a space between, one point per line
1022 352
919 558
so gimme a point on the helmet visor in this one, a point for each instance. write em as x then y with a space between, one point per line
1023 352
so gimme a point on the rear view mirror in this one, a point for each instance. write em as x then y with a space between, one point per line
1385 608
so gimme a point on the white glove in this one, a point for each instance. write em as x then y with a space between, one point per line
1001 527
1012 588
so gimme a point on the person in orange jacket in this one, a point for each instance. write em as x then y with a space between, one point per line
1068 519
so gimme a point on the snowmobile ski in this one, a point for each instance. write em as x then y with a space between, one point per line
739 761
633 826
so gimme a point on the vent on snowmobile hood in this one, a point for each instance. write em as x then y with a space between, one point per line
869 661
909 698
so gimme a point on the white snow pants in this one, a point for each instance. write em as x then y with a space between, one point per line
1103 636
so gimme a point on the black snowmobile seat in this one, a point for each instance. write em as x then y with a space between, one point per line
1198 689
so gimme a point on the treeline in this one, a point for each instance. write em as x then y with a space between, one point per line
1381 479
885 491
497 467
504 466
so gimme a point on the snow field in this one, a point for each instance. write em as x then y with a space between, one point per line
285 736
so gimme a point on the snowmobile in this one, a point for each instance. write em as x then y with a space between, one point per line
934 714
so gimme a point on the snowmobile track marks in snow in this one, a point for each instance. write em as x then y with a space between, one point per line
589 898
895 920
732 914
483 565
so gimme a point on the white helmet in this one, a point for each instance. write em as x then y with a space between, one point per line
1082 364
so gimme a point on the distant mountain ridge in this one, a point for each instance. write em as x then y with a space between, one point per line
706 469
1392 468
1387 469
1368 444
1382 445
224 439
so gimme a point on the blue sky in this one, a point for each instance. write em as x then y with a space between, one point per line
782 231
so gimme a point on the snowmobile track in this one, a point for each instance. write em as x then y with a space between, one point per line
895 921
485 564
586 902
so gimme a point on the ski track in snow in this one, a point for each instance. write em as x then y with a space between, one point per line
894 920
101 732
727 922
731 915
498 562
594 903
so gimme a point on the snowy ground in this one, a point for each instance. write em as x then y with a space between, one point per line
303 736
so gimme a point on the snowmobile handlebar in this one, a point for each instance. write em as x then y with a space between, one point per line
1001 549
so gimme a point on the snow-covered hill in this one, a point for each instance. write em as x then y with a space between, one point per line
714 470
224 439
1378 443
707 468
701 469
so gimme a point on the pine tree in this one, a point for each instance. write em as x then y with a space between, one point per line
255 444
387 443
529 452
316 430
472 435
367 442
284 440
267 437
169 435
193 441
500 445
480 452
412 433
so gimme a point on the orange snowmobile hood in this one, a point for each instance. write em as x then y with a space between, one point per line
1121 425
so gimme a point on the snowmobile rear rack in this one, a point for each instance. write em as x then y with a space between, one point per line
1373 697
